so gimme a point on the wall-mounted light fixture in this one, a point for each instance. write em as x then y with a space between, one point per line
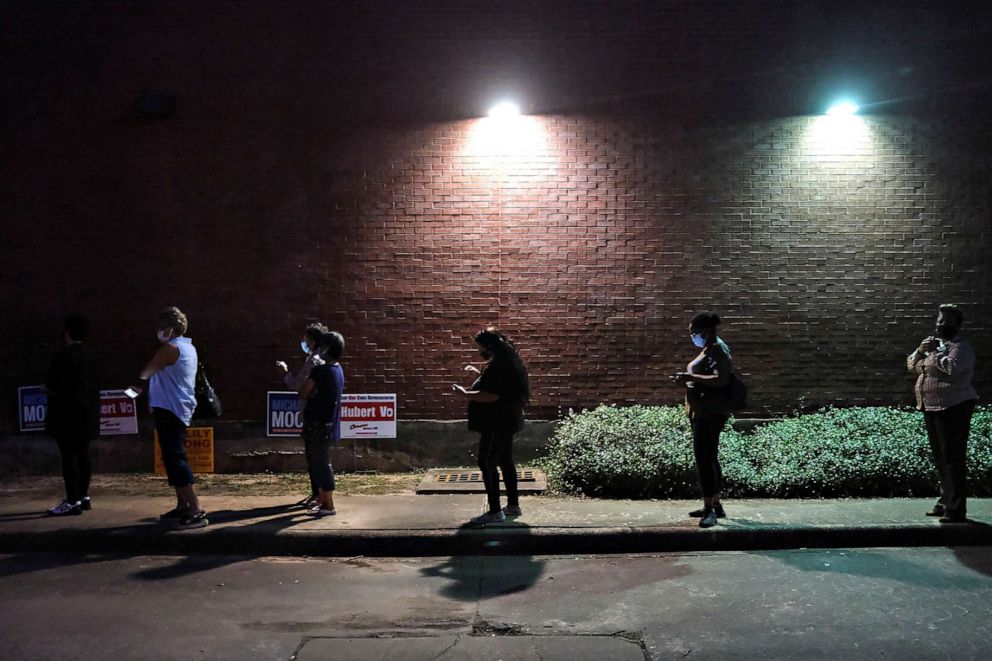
504 110
842 108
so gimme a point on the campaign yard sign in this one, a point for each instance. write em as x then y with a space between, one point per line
368 416
118 414
199 450
32 406
284 417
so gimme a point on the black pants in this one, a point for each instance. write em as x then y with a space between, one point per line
948 432
172 440
496 451
76 467
706 445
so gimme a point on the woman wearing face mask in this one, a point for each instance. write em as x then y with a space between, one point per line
945 364
171 375
496 410
708 410
313 337
320 396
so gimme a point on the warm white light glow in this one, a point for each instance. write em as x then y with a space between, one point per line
504 110
843 108
833 137
516 145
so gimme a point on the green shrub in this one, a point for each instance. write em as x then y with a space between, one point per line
646 452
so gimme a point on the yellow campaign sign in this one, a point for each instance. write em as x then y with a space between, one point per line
199 450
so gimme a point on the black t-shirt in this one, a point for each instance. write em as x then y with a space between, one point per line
73 394
507 412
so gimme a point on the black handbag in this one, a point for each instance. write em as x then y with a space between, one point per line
207 402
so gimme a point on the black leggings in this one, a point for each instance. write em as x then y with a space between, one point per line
76 467
706 445
496 450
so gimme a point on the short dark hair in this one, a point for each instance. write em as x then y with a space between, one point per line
78 327
334 343
173 317
316 332
953 311
706 320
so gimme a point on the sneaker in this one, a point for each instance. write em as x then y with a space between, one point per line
191 521
512 510
938 510
488 517
709 520
174 514
701 512
85 504
65 508
306 502
319 511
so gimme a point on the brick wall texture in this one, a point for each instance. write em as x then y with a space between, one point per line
327 161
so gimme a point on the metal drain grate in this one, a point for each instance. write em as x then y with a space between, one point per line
452 480
462 477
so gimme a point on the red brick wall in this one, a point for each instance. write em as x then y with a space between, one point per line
323 163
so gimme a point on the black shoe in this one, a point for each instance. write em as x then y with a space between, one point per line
174 515
191 521
85 504
709 520
954 518
938 510
701 512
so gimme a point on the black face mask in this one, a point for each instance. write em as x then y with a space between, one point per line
945 331
486 354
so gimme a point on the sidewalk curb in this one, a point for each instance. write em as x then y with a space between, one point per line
153 539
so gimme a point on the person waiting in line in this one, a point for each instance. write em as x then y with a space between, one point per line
73 417
708 409
313 337
496 411
320 397
171 374
945 363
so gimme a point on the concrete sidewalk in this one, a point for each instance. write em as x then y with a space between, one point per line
406 525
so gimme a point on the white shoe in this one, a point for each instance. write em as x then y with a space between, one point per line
321 511
488 517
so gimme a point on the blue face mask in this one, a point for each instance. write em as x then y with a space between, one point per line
305 347
698 340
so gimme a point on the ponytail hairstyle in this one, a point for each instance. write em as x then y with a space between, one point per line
332 345
504 351
706 320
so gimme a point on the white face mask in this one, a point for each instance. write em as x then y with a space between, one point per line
164 336
305 347
698 340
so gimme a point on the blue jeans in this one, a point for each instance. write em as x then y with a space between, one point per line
172 440
317 444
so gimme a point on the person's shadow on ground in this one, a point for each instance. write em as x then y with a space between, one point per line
194 563
490 572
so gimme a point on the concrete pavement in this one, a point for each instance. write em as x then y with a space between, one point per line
409 525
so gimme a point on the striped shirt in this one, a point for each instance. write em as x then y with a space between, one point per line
944 375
